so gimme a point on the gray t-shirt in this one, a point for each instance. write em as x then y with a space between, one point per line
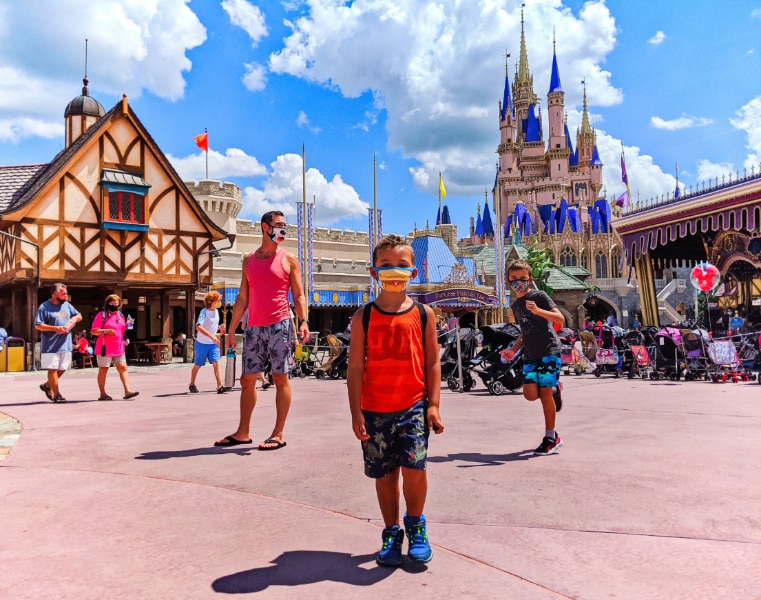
51 313
539 337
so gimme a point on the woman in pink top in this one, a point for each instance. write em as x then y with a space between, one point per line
110 326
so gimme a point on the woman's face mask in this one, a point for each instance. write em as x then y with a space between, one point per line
394 279
112 307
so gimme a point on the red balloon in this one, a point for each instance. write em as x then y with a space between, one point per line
705 276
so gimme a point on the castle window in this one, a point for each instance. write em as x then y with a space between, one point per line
124 200
615 260
567 257
601 265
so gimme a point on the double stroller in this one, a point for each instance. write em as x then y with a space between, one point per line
450 366
496 374
725 362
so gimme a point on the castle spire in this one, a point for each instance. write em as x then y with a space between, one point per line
523 72
555 85
585 126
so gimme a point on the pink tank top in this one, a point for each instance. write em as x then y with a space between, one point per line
268 285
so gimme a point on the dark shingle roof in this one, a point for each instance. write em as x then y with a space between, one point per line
13 180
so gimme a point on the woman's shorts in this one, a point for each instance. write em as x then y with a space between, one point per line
544 372
397 439
107 361
275 341
204 351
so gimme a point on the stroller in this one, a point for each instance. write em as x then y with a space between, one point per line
640 364
669 354
725 362
450 371
570 356
337 363
750 354
696 354
495 374
609 357
305 359
588 345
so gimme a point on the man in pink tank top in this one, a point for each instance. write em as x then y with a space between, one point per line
268 274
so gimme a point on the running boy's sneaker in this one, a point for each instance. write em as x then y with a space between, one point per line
420 549
557 396
390 555
549 446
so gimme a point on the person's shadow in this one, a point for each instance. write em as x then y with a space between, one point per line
303 567
483 460
203 451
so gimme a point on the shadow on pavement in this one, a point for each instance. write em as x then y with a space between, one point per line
164 454
303 567
483 460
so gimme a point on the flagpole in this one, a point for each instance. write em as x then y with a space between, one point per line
499 254
440 215
628 189
304 218
206 131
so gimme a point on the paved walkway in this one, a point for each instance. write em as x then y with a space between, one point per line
656 494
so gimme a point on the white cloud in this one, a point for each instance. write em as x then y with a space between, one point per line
711 170
255 78
233 163
438 82
755 13
303 121
657 39
42 53
748 119
683 122
281 187
248 17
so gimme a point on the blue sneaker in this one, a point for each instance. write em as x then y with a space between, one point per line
390 555
420 549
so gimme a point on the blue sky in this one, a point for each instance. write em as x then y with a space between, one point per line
415 82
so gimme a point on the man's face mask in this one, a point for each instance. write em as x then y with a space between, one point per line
112 307
394 279
278 232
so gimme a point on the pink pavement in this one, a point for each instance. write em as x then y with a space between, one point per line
655 494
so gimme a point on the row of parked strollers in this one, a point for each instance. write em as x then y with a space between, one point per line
652 353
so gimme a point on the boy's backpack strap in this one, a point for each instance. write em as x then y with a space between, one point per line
367 310
366 317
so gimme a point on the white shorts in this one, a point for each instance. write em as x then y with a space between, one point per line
105 361
55 361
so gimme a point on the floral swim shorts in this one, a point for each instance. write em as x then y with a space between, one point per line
397 439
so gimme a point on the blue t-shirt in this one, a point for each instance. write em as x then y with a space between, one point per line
50 313
209 320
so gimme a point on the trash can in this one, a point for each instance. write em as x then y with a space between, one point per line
13 356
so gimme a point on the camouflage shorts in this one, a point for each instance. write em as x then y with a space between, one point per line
544 372
397 439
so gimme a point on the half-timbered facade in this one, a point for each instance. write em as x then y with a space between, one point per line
109 214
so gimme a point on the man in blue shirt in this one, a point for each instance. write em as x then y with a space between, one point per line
55 320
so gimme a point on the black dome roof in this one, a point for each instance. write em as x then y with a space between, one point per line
84 104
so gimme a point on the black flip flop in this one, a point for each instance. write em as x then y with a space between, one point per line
277 446
231 441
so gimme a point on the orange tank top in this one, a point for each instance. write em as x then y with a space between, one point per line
394 377
268 285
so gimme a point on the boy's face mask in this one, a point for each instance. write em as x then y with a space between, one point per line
520 285
394 279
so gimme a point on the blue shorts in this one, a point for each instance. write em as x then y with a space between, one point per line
204 351
274 341
397 439
544 372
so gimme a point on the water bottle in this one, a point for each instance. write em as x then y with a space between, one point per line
130 322
230 368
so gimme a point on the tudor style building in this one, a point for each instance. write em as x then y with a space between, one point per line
109 214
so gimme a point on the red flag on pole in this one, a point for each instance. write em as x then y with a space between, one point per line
202 141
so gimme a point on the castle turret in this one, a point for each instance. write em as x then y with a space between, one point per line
221 201
81 113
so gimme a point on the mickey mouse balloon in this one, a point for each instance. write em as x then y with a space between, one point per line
705 276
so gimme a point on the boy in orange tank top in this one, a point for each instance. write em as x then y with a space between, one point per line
394 384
